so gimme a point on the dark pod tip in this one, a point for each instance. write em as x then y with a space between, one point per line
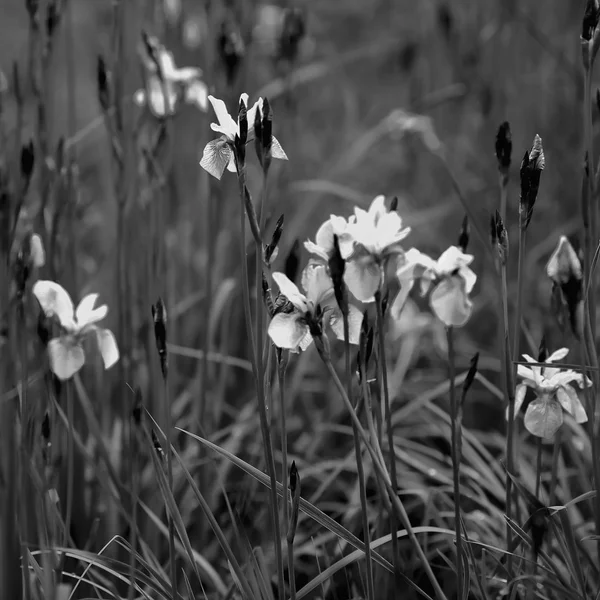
590 20
542 350
294 478
464 234
471 373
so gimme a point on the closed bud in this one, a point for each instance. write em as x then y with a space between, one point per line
271 250
590 20
27 161
365 346
493 236
504 147
532 165
565 270
336 270
292 262
501 239
52 17
295 509
102 81
258 145
394 204
46 428
159 315
463 236
471 373
542 350
267 127
242 137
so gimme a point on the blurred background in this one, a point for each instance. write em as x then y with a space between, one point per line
333 74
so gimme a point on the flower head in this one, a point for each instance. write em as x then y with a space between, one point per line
309 313
368 240
166 84
66 351
219 154
323 246
452 278
554 393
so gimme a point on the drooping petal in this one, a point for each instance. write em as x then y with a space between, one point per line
107 344
450 303
527 374
355 317
363 278
287 330
520 393
291 292
406 286
226 125
216 157
451 259
55 301
197 93
569 400
317 284
316 250
86 314
569 376
66 357
470 278
543 417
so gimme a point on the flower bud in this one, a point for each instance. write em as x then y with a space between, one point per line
272 249
295 491
589 23
267 127
542 350
501 239
27 161
337 266
267 298
394 204
532 165
463 236
159 314
503 147
52 17
242 137
292 262
138 407
102 81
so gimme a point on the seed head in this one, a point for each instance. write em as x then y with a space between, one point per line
295 491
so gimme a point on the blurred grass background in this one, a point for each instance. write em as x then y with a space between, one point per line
467 65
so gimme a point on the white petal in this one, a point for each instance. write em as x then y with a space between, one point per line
55 301
187 74
377 208
451 259
316 250
317 283
226 123
197 93
231 164
526 373
450 303
66 357
291 292
543 417
276 150
216 157
139 98
155 97
287 331
564 263
405 286
470 278
355 317
520 397
107 344
86 314
363 278
569 400
558 355
566 377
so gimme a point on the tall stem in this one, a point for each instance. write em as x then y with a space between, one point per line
538 468
455 433
388 426
281 371
379 467
169 435
70 463
359 469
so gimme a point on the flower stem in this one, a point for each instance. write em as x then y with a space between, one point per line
381 471
554 475
281 372
70 463
359 468
538 468
455 433
169 434
389 428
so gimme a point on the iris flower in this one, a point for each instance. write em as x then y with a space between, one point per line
294 330
166 84
66 352
218 154
451 277
369 239
554 393
322 248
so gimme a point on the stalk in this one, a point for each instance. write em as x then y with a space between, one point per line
70 463
398 506
257 363
281 372
169 436
388 426
554 474
360 469
455 433
538 468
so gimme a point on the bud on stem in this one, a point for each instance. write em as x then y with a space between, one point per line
295 509
159 314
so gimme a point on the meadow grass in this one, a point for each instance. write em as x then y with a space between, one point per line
375 432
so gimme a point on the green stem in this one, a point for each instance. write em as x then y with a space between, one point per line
291 570
554 474
389 428
538 468
397 504
70 463
455 433
360 470
281 371
169 434
134 503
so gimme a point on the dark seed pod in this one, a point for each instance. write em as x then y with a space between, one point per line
159 315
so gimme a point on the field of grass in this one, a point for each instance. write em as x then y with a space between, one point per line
178 420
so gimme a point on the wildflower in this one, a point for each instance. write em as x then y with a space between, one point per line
554 393
66 351
167 85
323 247
219 154
367 241
295 328
565 271
453 282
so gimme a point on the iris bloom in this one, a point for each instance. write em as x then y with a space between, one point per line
294 330
369 239
452 278
218 154
167 85
554 393
322 248
66 352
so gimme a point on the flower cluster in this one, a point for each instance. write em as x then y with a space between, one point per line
368 242
66 351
